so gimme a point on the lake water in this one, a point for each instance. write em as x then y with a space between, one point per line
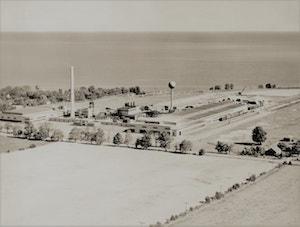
193 60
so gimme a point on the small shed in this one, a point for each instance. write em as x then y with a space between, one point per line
274 150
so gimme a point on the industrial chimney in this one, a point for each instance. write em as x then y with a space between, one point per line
72 99
172 85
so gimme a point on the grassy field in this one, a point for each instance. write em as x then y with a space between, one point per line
13 144
274 201
102 185
282 123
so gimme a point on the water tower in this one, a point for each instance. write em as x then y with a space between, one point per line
172 85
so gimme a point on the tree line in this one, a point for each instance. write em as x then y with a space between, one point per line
93 135
162 140
268 86
227 86
97 136
44 132
26 96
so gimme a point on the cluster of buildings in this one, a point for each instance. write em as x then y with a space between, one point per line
134 119
129 111
130 116
155 126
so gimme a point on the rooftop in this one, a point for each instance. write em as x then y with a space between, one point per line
30 110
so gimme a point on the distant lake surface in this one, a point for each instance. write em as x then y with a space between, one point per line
193 60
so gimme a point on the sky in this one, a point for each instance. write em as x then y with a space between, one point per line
147 15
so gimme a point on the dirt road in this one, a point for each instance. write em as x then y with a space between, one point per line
271 201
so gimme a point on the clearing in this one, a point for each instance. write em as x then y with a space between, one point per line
273 201
101 185
8 143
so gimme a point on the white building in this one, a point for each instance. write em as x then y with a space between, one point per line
29 114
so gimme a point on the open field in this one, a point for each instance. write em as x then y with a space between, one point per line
101 185
273 201
273 92
281 123
12 144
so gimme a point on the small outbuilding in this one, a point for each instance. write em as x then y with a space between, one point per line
274 150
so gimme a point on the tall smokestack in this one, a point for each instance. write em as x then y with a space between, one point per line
72 93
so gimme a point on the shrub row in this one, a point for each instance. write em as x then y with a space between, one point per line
233 187
253 151
251 178
217 196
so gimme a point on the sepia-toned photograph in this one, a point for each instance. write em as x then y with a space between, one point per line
149 113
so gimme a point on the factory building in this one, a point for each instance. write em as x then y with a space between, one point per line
156 127
72 98
130 110
84 113
28 114
13 117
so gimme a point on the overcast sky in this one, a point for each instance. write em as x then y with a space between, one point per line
155 15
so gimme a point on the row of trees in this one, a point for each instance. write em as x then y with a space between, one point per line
148 140
43 132
164 141
227 86
93 136
96 136
223 147
26 96
268 85
46 132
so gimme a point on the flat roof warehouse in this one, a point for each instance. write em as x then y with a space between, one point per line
29 113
